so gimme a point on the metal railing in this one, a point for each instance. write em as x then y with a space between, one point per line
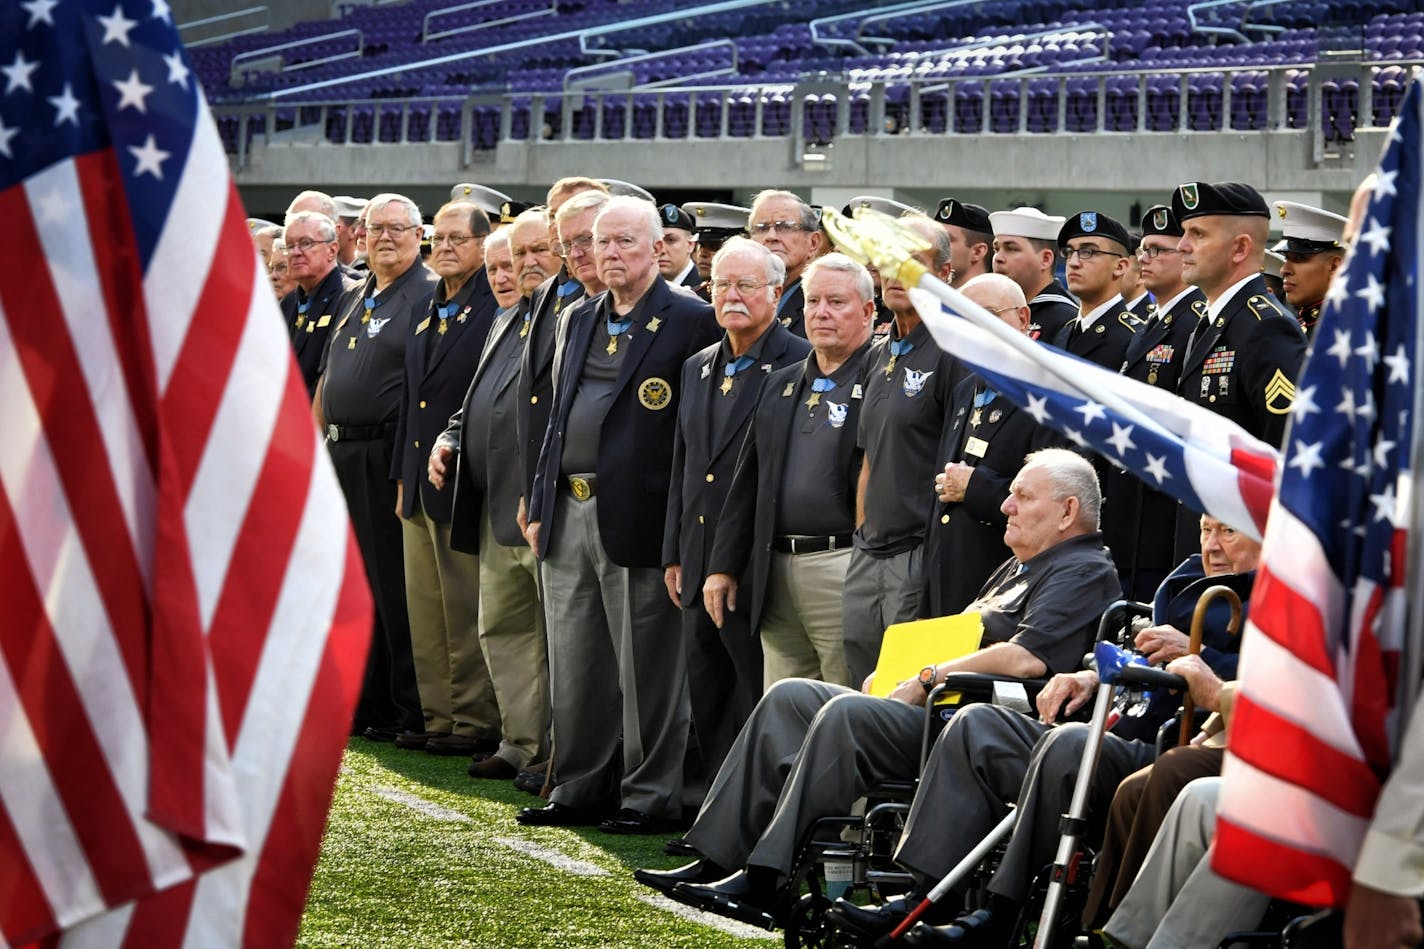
426 35
587 77
821 24
1233 100
267 52
259 15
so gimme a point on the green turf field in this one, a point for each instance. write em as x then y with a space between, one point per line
418 854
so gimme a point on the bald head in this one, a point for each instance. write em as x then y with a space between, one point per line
1000 296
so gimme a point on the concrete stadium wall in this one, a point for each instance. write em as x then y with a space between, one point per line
1060 173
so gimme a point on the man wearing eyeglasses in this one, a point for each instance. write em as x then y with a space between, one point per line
443 584
310 311
789 228
1094 248
1313 255
357 405
596 519
720 387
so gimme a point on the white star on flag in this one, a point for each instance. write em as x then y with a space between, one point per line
132 92
177 70
40 12
1157 467
150 158
1038 408
117 27
1398 366
1091 411
66 107
1306 458
6 134
1121 439
1372 293
1304 403
1340 347
1377 236
19 72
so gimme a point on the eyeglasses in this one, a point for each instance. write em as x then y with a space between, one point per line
624 242
1085 254
395 230
455 240
745 287
578 243
780 227
996 310
305 245
280 270
1155 252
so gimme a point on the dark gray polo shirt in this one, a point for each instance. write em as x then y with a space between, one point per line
1051 603
364 366
745 384
900 425
814 502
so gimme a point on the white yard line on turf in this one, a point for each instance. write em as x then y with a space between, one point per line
553 858
729 926
417 803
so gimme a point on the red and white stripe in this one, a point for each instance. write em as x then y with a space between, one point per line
187 613
1293 820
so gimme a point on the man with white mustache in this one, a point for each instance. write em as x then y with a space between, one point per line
720 386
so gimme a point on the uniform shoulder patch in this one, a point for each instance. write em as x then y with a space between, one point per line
1280 394
1129 320
1262 305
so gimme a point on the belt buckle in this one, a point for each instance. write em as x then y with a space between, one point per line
333 433
580 488
831 542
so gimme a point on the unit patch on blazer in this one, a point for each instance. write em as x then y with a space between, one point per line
655 393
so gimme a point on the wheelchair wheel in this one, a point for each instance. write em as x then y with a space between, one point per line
806 925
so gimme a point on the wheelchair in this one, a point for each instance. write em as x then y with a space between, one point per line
852 856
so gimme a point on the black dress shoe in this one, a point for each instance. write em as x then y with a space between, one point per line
748 896
555 815
383 733
455 746
679 847
416 741
492 768
876 921
629 821
981 929
700 871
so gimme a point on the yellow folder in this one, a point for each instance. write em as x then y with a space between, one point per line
909 647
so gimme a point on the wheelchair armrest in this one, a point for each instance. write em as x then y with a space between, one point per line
979 686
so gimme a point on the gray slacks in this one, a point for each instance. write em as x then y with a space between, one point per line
617 670
986 757
513 642
809 750
1177 902
879 592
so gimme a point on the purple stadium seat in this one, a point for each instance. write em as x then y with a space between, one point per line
934 111
968 107
675 116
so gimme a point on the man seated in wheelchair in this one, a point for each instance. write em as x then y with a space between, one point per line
810 749
988 756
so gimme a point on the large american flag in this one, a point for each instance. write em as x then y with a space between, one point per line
185 612
1317 703
1204 460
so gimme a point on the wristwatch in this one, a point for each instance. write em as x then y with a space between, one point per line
927 678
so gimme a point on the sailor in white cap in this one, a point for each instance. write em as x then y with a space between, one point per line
1313 254
1025 250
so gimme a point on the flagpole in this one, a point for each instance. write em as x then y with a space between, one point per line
1411 659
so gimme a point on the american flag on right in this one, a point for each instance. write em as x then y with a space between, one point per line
1320 687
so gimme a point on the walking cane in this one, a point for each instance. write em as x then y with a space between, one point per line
1198 619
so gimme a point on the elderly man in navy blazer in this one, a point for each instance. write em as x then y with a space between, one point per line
596 517
720 387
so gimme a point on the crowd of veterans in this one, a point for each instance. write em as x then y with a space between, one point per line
639 489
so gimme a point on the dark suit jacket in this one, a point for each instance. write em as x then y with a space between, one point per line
636 439
506 482
536 374
1139 521
1105 341
964 541
1248 359
1050 310
309 337
1143 308
742 546
791 310
435 391
694 502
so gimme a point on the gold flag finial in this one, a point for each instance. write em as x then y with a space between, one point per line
878 240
